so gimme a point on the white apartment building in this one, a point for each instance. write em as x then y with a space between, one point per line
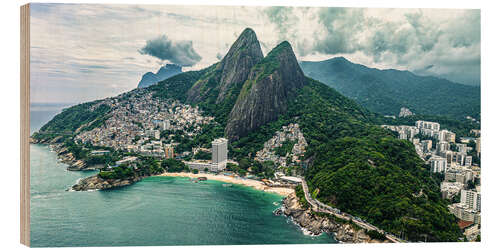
442 148
438 164
219 153
445 135
471 199
427 125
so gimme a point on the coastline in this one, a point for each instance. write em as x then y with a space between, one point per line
310 223
95 183
283 191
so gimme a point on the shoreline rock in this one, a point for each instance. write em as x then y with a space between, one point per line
316 225
97 183
66 157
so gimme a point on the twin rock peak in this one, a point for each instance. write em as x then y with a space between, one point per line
265 84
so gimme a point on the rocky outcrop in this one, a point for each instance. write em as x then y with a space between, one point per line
163 73
228 75
316 225
271 84
97 183
238 62
68 158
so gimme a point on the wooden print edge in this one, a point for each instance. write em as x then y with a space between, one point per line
25 121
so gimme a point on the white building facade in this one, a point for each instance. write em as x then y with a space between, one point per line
219 153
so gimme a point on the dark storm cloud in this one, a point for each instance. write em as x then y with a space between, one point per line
181 52
413 40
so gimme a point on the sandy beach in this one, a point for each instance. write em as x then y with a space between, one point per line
247 182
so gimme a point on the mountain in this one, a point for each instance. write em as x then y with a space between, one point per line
350 162
163 73
265 94
218 89
386 91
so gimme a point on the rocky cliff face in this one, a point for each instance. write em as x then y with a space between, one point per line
229 73
238 62
265 94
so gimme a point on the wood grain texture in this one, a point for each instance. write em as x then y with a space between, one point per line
25 124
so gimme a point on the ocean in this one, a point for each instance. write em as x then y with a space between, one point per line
155 211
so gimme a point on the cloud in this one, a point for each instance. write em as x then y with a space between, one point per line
180 52
283 18
409 39
81 52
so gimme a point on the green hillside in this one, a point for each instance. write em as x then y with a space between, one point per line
386 91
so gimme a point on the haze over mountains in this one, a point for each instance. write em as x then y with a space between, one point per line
163 73
386 91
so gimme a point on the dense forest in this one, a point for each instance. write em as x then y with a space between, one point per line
361 168
386 91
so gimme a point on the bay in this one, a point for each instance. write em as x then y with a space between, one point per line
155 211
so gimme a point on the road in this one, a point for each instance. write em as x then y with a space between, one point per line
318 206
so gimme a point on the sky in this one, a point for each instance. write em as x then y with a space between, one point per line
83 52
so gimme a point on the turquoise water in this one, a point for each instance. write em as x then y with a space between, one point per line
41 113
155 211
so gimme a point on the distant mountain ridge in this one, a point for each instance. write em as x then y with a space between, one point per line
163 73
386 91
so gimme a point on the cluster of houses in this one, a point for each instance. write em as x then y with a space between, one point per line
454 161
135 124
287 133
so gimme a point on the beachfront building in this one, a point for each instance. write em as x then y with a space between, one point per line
219 158
202 165
219 153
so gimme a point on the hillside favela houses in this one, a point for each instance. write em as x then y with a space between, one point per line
456 163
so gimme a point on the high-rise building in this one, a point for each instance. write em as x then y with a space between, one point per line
471 199
169 152
219 153
460 158
468 161
427 144
478 146
461 147
442 147
165 125
445 135
438 164
403 135
427 125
